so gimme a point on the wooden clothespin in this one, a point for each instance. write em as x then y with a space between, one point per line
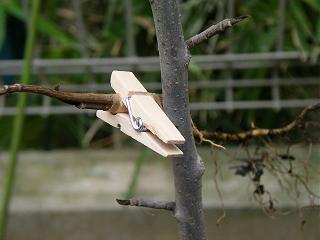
145 121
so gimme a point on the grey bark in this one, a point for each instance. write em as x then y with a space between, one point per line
147 203
188 169
213 30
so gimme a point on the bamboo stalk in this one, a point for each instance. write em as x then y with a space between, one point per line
18 121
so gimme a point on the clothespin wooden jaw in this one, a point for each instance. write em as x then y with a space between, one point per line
145 122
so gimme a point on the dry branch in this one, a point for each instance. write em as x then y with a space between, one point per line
96 101
298 123
138 202
80 100
113 103
213 30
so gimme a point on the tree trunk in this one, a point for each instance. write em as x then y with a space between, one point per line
188 169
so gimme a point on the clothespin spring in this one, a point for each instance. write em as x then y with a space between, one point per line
136 123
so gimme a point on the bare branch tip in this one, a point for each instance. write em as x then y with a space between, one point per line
239 19
139 202
213 30
123 202
244 17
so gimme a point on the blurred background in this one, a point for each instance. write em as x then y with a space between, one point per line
72 166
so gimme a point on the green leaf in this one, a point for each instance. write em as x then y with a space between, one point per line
315 4
2 26
300 17
53 31
197 71
318 30
110 13
43 24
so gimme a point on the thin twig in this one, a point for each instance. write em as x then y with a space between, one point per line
97 101
198 134
298 123
213 30
139 202
217 186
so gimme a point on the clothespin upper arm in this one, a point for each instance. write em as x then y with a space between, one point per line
145 107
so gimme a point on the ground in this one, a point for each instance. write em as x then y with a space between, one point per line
75 190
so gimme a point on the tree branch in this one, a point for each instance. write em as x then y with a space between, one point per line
97 101
139 202
298 123
213 30
113 103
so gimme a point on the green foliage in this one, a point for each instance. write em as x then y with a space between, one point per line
18 120
44 25
2 25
